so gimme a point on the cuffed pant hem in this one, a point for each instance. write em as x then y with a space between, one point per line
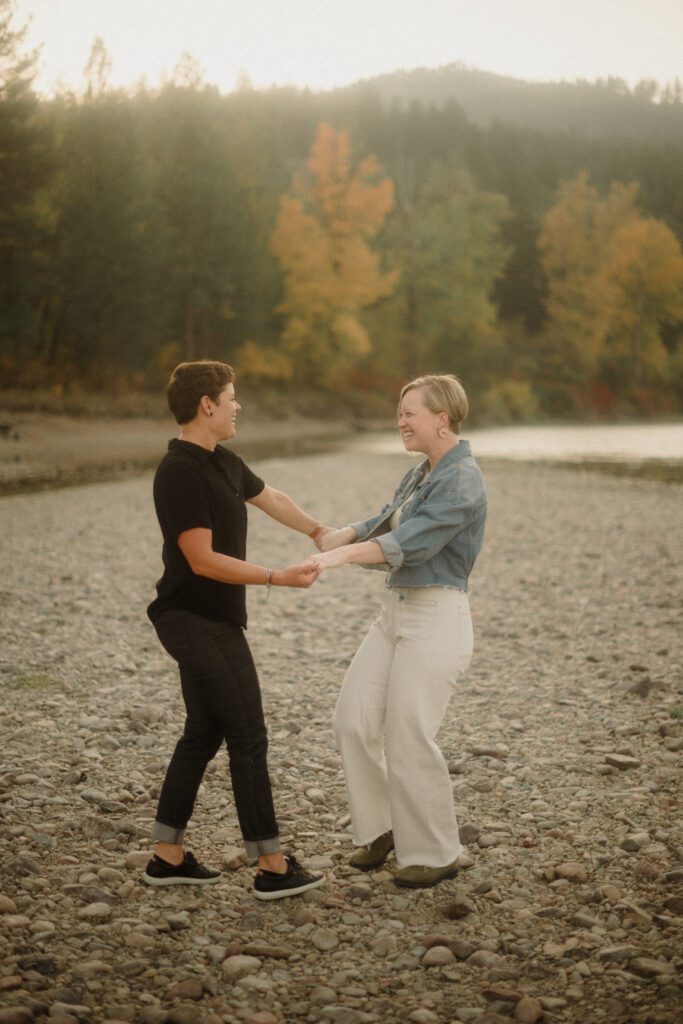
256 848
167 834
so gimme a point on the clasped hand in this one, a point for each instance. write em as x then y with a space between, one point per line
327 543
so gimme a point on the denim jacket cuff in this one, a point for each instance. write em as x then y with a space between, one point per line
391 549
361 529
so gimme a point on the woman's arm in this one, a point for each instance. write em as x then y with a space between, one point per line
336 538
280 507
196 546
368 552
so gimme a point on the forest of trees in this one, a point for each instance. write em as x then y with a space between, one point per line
338 241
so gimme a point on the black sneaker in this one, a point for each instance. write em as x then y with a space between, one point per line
269 885
189 872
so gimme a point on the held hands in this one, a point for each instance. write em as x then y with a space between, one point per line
319 534
301 576
329 559
332 539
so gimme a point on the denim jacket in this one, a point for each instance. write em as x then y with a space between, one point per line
441 529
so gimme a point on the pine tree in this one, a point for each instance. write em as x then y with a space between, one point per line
25 166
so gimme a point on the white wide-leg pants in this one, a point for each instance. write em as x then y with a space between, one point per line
390 708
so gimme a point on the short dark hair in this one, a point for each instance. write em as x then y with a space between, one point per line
190 381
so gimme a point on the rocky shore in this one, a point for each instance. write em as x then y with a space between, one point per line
564 744
39 451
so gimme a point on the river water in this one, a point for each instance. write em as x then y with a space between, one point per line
643 449
629 443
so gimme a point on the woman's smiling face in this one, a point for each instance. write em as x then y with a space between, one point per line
419 426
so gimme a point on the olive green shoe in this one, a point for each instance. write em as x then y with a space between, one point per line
373 854
418 877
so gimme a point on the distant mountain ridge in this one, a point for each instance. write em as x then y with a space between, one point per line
591 109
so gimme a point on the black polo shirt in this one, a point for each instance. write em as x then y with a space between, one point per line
194 487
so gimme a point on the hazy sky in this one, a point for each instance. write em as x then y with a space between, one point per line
324 43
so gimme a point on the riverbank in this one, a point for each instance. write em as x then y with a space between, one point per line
39 451
563 743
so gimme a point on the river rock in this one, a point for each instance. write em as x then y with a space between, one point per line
572 871
528 1010
485 958
646 967
188 988
239 966
634 841
622 761
15 1015
324 939
438 956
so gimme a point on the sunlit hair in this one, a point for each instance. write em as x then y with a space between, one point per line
441 392
191 381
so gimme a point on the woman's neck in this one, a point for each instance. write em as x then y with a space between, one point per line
440 448
199 434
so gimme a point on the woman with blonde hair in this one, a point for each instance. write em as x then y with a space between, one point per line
397 688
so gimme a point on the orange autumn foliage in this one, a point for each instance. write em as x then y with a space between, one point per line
614 278
322 239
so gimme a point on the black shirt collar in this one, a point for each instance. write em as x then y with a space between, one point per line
196 450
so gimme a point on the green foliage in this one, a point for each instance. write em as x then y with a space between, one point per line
135 231
614 279
25 167
445 240
508 401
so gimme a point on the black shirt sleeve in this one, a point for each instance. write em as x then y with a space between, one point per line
181 500
252 484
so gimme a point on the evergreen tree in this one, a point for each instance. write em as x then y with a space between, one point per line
25 166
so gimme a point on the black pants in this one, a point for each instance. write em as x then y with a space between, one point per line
223 702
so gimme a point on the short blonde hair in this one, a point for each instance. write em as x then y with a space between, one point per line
442 392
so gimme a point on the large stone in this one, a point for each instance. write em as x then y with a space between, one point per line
15 1015
528 1010
634 841
459 908
324 939
10 982
95 912
239 966
572 871
438 956
187 988
485 958
323 995
646 967
622 761
267 951
616 954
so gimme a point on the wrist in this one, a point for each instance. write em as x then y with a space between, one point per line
317 530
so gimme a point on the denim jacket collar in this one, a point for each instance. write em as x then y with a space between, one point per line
454 454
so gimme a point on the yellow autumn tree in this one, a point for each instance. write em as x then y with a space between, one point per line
322 238
615 278
645 268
